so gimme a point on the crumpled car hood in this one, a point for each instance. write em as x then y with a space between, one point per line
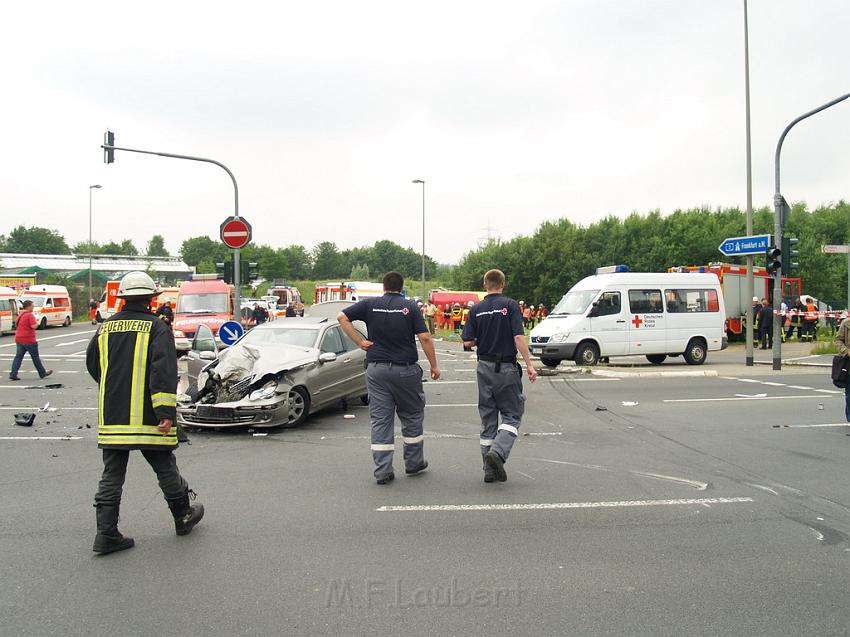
243 360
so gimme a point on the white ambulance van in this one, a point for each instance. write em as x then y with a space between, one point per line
51 304
634 313
8 309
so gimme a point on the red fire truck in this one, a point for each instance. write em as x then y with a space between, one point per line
733 283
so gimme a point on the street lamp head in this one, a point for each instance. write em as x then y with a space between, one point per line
95 186
417 181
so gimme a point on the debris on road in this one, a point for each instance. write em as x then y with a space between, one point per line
630 403
23 419
601 408
348 416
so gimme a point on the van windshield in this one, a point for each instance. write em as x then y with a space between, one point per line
213 303
37 301
574 302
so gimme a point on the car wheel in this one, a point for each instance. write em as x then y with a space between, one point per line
364 399
656 359
551 362
43 324
695 353
98 318
67 321
299 406
587 354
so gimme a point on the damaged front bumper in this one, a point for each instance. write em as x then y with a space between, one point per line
257 414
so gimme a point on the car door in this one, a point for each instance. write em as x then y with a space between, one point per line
356 372
333 373
647 322
608 323
203 351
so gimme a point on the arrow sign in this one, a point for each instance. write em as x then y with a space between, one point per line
835 249
230 332
738 246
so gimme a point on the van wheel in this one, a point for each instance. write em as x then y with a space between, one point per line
67 321
551 362
43 324
587 354
656 359
695 352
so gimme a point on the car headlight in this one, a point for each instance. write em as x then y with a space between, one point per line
266 391
560 337
179 334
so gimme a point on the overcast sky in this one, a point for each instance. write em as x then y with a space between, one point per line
514 113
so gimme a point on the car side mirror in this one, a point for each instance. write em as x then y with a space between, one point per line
206 356
327 357
594 311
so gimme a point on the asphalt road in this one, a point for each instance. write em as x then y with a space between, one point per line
635 505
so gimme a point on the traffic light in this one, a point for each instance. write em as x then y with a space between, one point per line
251 273
224 270
789 264
108 153
773 262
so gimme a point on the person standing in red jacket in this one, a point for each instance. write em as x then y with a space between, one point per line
26 342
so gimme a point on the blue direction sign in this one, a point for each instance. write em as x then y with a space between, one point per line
230 332
738 246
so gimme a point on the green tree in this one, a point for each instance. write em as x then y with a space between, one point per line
125 248
156 247
360 272
83 247
298 262
205 266
196 249
327 261
34 240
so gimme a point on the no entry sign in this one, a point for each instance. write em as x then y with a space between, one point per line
236 233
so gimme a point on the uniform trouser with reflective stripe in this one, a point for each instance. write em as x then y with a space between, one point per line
499 393
163 463
395 389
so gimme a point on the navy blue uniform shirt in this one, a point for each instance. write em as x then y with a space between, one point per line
392 323
493 323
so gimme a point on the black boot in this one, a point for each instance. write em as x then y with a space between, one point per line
186 516
109 538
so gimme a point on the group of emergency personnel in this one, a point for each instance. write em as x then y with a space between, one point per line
394 378
802 318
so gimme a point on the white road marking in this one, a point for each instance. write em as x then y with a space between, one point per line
803 387
772 384
709 400
432 383
80 353
78 356
52 408
701 486
763 488
748 380
831 391
41 437
525 475
750 395
55 371
50 338
82 340
474 404
840 424
544 433
580 380
561 505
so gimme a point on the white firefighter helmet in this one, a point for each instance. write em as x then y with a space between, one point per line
755 299
137 284
469 304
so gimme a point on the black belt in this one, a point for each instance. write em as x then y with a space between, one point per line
404 364
498 359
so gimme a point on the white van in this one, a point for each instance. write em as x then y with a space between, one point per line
8 309
621 314
51 304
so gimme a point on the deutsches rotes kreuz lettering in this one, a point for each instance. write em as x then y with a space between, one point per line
503 312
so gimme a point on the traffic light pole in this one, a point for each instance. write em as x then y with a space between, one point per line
237 301
778 222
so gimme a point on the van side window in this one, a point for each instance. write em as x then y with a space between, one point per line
645 302
608 304
687 301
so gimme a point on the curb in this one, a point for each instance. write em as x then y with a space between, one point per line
610 373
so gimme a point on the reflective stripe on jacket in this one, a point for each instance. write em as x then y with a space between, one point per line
133 359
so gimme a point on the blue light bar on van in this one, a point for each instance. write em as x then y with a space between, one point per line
611 269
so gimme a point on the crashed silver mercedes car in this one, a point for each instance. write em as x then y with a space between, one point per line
275 375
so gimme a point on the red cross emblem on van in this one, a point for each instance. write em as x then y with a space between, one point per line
637 321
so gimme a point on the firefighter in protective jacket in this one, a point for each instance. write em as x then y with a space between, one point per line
133 359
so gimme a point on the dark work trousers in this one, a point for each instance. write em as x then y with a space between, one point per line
767 336
32 350
395 389
164 464
499 393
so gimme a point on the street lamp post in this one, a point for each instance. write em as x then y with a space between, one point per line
419 181
749 280
92 187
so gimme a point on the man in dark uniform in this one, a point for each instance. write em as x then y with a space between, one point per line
133 359
393 375
259 315
495 326
165 313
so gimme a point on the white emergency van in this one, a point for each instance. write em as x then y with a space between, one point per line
8 309
51 304
622 314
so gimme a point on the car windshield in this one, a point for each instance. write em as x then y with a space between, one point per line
282 336
213 303
37 301
575 302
